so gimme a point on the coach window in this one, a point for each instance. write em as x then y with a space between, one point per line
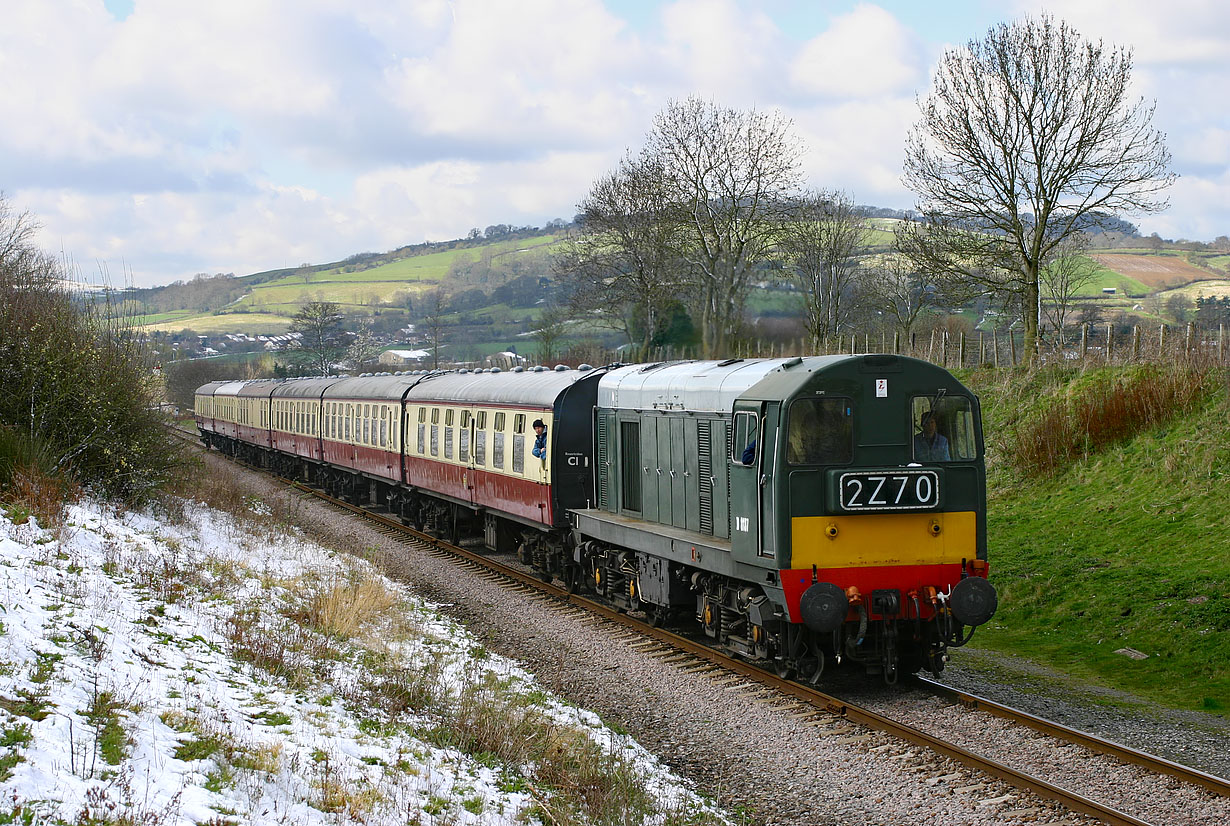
497 442
480 437
463 437
384 426
448 433
435 431
518 443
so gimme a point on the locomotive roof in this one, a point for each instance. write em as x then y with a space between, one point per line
528 387
701 386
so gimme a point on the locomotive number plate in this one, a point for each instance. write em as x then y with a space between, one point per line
890 490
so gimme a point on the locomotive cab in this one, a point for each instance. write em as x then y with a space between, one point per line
867 490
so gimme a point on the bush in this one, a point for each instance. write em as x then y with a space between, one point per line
77 381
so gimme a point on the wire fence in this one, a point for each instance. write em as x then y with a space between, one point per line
1084 345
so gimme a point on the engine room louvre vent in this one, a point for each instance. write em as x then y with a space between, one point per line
704 440
603 459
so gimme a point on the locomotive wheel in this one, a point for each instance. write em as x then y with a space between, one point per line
572 578
783 667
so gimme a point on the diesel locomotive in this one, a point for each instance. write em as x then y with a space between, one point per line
800 510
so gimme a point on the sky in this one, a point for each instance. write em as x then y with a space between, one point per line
91 611
158 139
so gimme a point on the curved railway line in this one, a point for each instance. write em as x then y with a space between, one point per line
820 702
808 702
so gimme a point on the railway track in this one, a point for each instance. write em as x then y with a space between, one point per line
809 703
677 648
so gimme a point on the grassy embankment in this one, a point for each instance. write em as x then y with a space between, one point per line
1109 526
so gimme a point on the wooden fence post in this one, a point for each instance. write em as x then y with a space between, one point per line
1161 341
961 363
897 342
1136 343
1084 341
1011 348
1190 344
1110 341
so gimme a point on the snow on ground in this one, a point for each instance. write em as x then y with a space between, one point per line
192 671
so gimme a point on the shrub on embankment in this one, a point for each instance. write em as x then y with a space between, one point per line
1109 525
78 402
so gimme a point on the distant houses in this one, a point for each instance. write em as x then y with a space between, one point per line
403 358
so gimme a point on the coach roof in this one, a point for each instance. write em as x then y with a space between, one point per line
526 388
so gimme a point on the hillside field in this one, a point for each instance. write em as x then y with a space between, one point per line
1126 547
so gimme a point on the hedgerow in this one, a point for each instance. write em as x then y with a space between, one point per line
77 391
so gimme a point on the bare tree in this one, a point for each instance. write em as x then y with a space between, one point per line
822 248
320 325
364 348
1065 273
433 304
552 325
1027 137
732 175
903 291
622 270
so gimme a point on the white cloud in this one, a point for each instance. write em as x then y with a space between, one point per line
866 53
236 136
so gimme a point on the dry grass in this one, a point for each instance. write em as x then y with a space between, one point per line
342 607
31 492
1104 409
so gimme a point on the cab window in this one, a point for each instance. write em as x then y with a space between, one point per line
743 444
819 431
943 429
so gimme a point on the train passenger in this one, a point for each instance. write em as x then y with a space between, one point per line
929 444
749 453
540 441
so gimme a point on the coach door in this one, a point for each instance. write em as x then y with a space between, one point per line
466 435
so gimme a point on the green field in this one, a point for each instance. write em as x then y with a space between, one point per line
360 290
250 323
